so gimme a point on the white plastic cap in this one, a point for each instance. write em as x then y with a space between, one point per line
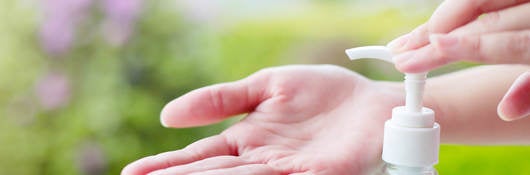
411 138
405 118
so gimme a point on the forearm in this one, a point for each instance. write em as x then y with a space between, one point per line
466 106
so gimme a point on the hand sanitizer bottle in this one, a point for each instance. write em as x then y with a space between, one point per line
411 137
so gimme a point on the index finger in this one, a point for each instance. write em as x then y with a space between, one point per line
450 15
454 13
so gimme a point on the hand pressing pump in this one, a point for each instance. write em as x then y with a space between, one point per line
411 137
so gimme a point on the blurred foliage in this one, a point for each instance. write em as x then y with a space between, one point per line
117 92
484 160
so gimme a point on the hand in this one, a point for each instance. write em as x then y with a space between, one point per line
487 31
301 120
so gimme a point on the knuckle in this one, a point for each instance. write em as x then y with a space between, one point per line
519 47
474 48
440 54
442 57
217 99
162 159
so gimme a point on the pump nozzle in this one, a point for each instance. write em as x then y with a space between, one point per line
414 82
374 52
411 137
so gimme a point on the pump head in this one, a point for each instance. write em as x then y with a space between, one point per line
411 137
414 82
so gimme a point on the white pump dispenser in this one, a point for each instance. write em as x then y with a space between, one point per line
411 137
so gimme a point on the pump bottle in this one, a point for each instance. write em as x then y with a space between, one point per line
411 137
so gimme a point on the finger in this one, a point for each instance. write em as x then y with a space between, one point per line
420 60
213 163
251 169
208 147
450 15
410 40
304 173
504 20
397 44
215 103
506 47
516 103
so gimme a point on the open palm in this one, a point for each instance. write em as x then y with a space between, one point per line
301 120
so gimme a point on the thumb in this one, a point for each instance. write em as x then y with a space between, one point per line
516 103
214 103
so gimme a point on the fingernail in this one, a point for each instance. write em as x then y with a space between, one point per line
403 58
404 61
443 42
502 115
164 124
418 37
163 116
516 103
506 116
397 44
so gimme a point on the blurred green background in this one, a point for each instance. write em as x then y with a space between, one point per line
82 81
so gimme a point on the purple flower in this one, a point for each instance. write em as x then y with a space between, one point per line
122 10
56 36
60 19
53 90
120 17
91 159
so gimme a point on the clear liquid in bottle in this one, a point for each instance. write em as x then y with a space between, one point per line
391 169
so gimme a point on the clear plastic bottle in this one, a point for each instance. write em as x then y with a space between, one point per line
391 169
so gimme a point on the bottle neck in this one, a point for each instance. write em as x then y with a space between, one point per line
391 169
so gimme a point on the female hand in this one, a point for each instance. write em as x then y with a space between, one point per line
301 120
487 31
